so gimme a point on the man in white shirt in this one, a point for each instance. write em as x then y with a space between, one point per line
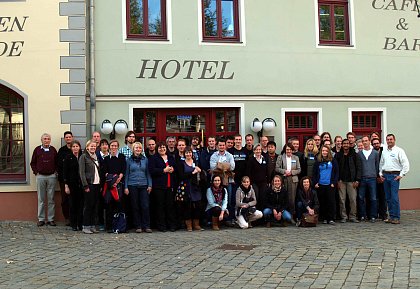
393 167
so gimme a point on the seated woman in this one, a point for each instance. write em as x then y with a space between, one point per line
306 199
217 201
246 202
277 202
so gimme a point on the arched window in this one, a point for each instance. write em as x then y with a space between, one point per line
12 136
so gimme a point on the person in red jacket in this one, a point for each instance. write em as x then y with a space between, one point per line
44 167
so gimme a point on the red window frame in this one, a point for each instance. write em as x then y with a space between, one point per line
12 177
332 5
302 132
160 133
146 35
220 37
366 122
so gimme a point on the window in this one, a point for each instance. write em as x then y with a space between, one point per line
146 19
334 22
220 20
12 143
301 125
366 122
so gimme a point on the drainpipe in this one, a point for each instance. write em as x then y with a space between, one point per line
92 91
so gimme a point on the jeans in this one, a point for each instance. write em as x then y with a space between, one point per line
139 198
45 184
370 185
300 210
391 188
268 215
231 201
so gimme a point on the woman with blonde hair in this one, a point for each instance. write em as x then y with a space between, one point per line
311 150
246 202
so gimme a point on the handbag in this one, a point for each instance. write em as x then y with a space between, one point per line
309 220
181 194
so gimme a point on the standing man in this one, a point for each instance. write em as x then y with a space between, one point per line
249 144
317 140
61 156
206 154
127 150
196 149
351 136
271 158
349 171
240 158
44 167
393 167
151 148
369 160
299 154
380 193
230 142
264 144
171 144
96 137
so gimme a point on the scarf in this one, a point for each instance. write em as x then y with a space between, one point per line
136 159
276 190
218 194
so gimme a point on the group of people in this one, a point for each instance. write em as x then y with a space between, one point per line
177 184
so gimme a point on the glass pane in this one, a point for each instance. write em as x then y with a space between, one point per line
136 17
17 115
220 121
16 101
289 122
324 22
18 165
155 17
4 115
151 121
4 148
339 23
17 149
4 98
4 165
138 121
310 122
373 124
210 18
231 120
303 122
17 131
5 132
228 24
185 123
355 121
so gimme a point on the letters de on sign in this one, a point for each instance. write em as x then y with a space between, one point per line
187 69
9 24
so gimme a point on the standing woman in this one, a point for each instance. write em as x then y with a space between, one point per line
246 202
325 178
257 173
89 175
288 166
217 201
191 204
73 185
114 168
311 150
138 185
162 169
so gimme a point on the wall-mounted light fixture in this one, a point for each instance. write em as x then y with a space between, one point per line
267 125
119 127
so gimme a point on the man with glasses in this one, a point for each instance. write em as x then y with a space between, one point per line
127 150
393 167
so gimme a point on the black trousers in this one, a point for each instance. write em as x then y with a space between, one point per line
165 208
89 205
76 203
326 195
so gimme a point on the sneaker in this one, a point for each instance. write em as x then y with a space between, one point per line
354 220
101 228
93 229
148 230
343 220
395 222
139 231
331 222
87 231
387 220
40 223
362 219
325 222
373 220
298 223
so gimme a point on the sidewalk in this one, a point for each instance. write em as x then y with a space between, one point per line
347 255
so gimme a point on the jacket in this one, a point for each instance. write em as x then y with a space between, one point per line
156 167
312 202
87 169
281 165
334 172
137 173
278 201
354 168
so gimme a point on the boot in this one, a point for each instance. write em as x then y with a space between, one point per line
215 223
188 223
196 225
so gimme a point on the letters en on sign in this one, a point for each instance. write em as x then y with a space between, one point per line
12 24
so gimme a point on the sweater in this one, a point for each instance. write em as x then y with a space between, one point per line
44 162
370 166
137 172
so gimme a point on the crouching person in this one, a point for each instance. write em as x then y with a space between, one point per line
277 203
217 201
307 199
246 202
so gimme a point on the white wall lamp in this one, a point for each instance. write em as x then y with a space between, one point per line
267 125
119 127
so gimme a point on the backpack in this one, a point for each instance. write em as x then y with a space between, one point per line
119 223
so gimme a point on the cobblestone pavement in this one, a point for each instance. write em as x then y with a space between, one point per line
347 255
